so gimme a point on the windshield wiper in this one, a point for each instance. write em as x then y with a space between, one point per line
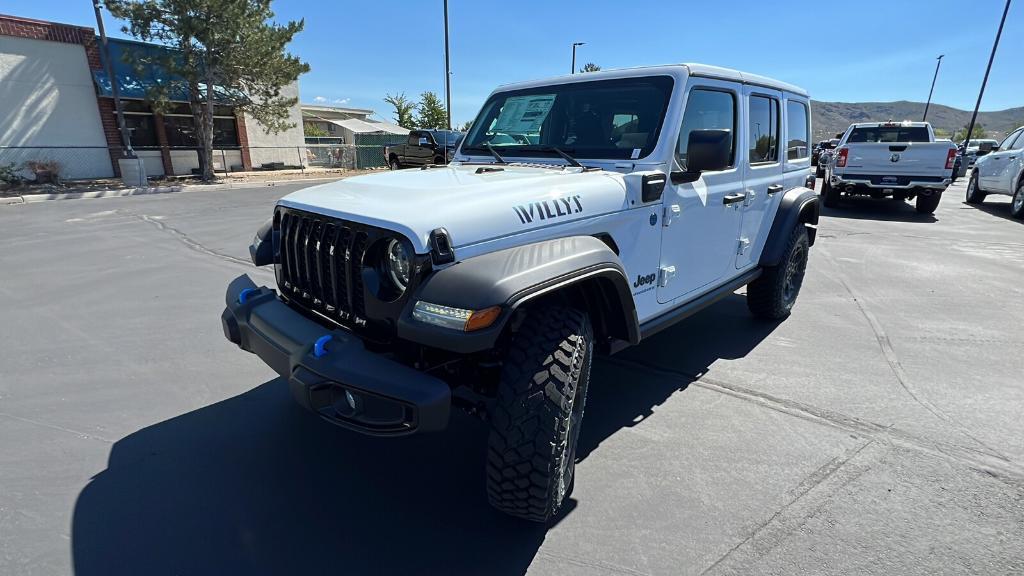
497 157
572 161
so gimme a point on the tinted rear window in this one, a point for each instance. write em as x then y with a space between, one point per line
889 134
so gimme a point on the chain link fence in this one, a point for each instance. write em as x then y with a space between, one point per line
53 163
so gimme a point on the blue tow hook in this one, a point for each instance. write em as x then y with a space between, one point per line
244 294
319 347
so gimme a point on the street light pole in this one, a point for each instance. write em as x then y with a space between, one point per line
932 89
574 45
114 90
974 117
447 70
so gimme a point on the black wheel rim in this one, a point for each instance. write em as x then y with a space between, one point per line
794 277
572 433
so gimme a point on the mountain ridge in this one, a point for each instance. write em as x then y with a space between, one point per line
829 118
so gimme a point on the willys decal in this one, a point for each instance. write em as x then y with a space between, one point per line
548 209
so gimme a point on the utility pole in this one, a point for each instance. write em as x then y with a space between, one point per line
574 45
114 90
929 103
974 117
447 70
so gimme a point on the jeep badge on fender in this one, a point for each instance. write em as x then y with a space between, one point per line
399 292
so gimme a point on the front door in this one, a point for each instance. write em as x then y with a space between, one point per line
1010 166
701 220
762 166
991 171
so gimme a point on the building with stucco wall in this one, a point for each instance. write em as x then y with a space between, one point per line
56 105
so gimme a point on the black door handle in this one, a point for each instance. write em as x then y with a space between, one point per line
774 189
733 198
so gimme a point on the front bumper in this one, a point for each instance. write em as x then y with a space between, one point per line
339 379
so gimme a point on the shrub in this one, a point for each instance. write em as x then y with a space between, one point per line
45 171
9 176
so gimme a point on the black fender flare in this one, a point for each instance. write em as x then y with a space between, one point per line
799 206
513 277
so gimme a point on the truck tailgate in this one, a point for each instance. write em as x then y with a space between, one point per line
897 158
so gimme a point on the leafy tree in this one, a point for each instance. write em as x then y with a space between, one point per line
590 67
219 52
466 126
313 131
430 112
961 134
403 110
941 132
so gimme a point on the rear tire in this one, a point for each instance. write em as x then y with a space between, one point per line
393 164
535 424
928 204
830 195
1017 204
772 295
974 193
439 161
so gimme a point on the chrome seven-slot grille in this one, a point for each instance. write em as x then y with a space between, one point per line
320 263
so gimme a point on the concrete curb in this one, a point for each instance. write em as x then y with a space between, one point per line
121 192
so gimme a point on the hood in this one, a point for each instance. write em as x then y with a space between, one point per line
473 202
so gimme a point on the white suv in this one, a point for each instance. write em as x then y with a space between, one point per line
1001 172
581 215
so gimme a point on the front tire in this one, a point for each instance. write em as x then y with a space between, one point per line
1017 204
926 204
974 193
535 424
772 295
830 194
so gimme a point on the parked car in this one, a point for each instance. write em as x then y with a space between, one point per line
423 147
824 156
1001 172
971 151
581 215
900 160
821 147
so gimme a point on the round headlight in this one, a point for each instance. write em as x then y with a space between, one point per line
398 264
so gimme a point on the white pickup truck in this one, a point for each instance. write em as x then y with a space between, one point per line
901 160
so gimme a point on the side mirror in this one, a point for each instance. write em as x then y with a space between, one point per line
424 141
706 151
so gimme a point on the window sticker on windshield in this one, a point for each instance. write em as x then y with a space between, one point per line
635 154
524 113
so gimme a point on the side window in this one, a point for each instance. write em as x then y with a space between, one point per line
1019 143
797 137
1006 143
763 129
414 138
707 109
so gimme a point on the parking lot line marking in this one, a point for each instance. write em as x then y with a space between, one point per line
80 434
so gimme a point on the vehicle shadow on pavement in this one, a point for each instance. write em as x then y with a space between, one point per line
887 210
254 485
1000 209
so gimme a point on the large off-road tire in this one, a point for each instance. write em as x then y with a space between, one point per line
535 423
1017 203
773 293
926 204
974 193
830 195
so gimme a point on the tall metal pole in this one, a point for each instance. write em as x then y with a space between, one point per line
574 45
932 89
974 117
447 70
125 135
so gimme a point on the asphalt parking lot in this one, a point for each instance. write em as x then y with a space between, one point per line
877 431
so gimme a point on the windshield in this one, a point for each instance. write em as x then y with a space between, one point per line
447 137
974 143
889 134
604 119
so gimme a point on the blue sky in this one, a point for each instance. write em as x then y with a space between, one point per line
851 50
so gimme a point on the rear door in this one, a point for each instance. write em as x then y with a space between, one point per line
762 166
701 221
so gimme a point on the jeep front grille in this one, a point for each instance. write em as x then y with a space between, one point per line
320 263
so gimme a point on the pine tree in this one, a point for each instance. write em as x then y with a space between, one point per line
430 112
590 67
220 52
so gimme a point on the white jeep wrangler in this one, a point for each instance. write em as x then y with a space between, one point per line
580 215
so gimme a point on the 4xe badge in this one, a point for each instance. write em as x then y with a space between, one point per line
548 209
